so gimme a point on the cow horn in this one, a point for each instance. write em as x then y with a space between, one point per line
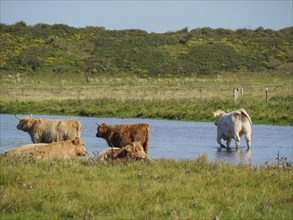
17 117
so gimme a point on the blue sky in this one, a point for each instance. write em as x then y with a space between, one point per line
152 16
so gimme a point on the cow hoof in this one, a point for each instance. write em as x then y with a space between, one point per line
223 146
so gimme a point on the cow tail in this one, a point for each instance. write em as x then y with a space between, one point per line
243 112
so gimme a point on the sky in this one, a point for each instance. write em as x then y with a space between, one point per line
151 15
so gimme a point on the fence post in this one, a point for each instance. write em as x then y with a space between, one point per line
235 94
267 91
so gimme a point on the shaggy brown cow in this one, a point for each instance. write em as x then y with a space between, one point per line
50 130
56 150
124 134
133 152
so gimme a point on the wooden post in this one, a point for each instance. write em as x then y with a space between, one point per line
242 91
267 97
234 95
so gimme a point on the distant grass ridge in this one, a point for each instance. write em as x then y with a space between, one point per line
154 189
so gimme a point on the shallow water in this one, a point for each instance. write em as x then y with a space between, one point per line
173 139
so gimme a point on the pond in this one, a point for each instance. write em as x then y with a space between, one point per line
181 140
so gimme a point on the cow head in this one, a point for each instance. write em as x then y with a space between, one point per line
132 151
25 124
135 151
217 115
79 147
102 130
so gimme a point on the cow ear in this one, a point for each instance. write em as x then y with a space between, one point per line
213 113
76 141
237 113
128 148
27 123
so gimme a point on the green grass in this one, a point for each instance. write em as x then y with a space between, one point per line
154 189
188 109
181 98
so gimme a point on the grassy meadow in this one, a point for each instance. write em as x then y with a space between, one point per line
182 75
180 98
153 189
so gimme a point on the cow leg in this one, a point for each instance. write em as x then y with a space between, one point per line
219 142
117 152
248 140
145 147
228 142
36 139
237 141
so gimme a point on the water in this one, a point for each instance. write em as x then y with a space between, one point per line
173 139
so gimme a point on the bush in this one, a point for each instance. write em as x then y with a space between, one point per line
30 58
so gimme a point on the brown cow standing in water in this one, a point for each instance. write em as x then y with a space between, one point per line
124 134
50 130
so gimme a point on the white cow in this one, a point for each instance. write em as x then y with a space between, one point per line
233 125
45 130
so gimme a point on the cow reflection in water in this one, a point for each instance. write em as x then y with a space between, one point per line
231 155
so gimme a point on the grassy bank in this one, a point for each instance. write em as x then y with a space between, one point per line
183 98
156 189
277 111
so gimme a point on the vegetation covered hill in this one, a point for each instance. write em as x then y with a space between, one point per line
187 74
94 51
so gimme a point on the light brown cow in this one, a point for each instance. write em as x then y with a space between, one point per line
56 150
133 152
124 134
233 125
50 130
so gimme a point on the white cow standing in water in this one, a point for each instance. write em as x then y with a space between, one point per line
233 125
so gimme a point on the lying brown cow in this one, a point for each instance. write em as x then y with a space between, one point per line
124 134
50 130
134 152
56 150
